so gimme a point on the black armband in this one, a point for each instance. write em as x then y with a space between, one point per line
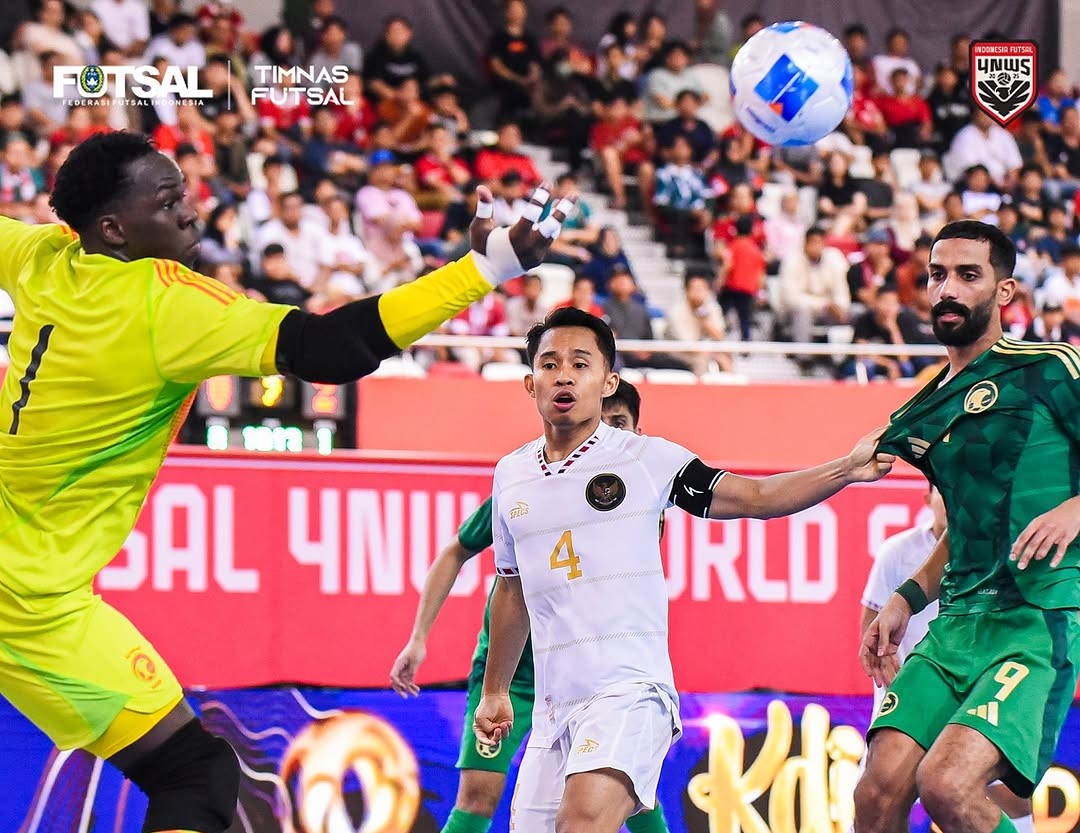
912 593
338 347
692 490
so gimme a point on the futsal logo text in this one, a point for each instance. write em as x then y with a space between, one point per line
288 86
144 83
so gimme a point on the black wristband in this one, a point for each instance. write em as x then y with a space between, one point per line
912 593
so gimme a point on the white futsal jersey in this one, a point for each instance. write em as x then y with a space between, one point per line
582 534
896 561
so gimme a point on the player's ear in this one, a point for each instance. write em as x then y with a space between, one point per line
530 385
611 384
112 233
1006 291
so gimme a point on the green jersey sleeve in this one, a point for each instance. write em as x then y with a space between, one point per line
475 532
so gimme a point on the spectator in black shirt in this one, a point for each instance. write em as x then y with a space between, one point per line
1052 325
687 124
839 198
1064 153
393 59
1028 196
276 282
884 323
514 60
731 170
950 106
876 271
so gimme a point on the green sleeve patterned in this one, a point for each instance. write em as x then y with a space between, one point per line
475 532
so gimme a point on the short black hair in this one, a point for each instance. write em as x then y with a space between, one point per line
95 175
626 394
897 30
815 231
681 94
180 19
744 225
335 20
1002 250
571 317
856 29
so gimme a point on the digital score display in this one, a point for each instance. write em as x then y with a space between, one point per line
271 413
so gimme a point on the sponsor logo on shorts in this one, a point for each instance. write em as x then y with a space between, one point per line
589 745
981 397
605 492
488 751
890 702
143 667
989 712
518 511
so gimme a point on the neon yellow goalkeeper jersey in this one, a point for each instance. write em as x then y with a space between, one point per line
105 358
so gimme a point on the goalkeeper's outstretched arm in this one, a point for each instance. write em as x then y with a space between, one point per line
351 341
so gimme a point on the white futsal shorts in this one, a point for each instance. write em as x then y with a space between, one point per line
629 729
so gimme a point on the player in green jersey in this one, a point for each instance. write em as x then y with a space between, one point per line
984 695
484 768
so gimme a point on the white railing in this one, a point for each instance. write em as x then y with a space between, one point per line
772 348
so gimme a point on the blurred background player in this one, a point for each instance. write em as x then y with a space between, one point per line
606 705
897 559
112 336
484 768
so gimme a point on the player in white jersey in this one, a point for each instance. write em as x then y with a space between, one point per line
574 522
896 561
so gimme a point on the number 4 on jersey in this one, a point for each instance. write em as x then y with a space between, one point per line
570 561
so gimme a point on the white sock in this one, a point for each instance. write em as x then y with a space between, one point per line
1024 824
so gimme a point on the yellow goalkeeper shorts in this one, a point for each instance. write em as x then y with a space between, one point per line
80 671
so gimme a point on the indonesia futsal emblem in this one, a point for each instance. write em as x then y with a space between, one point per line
1003 77
91 81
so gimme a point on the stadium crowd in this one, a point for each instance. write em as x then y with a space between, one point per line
319 205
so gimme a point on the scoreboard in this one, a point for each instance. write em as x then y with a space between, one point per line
272 413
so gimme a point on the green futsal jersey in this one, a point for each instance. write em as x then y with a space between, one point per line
475 536
1001 440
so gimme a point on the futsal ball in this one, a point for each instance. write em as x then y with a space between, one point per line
791 84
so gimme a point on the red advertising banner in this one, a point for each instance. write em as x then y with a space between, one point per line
248 570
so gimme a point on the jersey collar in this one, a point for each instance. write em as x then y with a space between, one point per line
550 469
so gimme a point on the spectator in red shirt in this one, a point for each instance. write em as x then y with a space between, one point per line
487 317
906 113
742 274
583 296
357 117
864 122
441 175
624 145
493 162
190 129
740 203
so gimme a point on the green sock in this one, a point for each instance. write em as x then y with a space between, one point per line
1005 825
653 821
462 822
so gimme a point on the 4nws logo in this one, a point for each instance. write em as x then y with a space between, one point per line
1004 77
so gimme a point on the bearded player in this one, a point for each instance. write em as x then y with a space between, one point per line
112 336
484 768
983 697
574 518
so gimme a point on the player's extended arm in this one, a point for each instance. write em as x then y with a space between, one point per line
882 638
785 494
494 716
440 579
351 341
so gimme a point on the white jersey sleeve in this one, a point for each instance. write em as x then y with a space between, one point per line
663 460
878 584
502 542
